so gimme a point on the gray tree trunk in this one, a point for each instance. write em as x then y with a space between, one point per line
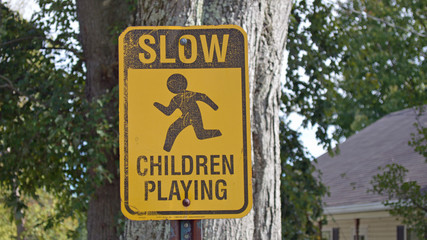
97 19
266 23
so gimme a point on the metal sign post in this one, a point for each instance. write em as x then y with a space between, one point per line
186 230
184 124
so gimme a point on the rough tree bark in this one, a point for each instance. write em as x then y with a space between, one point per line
97 19
265 22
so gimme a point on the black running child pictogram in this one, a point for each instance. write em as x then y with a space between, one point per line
186 102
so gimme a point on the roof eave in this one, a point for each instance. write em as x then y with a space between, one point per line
355 208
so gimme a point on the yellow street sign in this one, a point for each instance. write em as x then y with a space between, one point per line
184 123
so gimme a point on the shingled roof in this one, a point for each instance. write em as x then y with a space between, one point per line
349 173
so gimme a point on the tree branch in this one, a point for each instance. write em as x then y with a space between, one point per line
10 84
20 40
13 88
75 51
420 206
411 30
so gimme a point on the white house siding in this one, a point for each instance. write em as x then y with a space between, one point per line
377 225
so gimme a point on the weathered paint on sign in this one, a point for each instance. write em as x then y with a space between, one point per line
184 123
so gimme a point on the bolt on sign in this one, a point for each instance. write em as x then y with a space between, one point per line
184 123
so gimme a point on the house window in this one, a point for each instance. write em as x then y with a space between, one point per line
400 232
404 233
326 235
361 237
410 234
335 234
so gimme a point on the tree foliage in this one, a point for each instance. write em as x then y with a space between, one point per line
315 48
349 65
301 191
383 66
38 212
48 129
312 65
406 198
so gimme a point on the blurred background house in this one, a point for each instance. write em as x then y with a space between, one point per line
350 207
